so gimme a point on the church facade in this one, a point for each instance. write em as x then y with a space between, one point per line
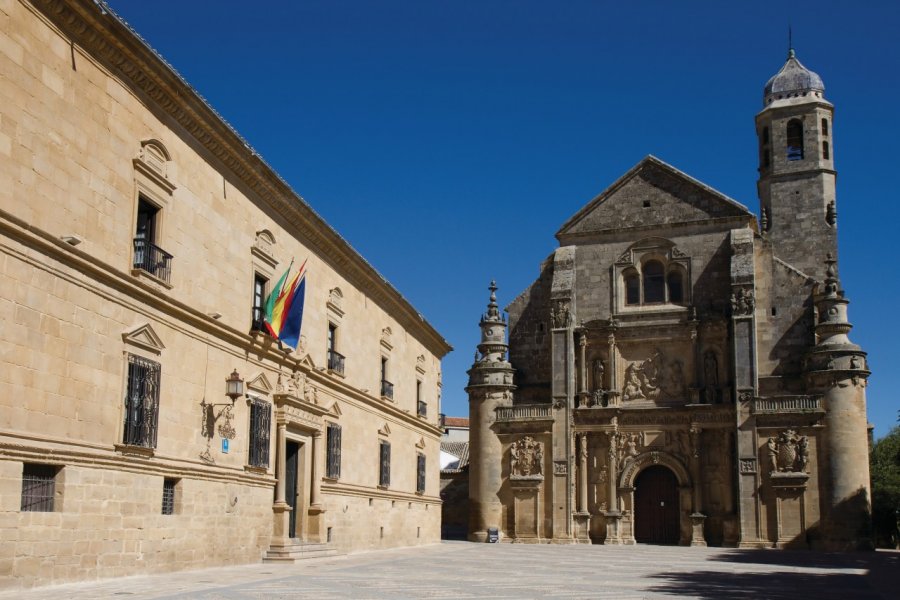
680 371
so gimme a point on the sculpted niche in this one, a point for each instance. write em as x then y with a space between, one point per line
656 378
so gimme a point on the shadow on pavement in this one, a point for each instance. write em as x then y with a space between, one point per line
879 579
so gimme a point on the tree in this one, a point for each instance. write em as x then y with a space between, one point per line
885 470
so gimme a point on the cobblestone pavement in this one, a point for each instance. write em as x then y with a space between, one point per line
465 570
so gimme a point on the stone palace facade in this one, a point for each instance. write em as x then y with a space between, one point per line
680 372
147 423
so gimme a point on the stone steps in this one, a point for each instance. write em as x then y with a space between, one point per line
298 551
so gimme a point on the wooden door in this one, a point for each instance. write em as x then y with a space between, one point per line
656 513
292 463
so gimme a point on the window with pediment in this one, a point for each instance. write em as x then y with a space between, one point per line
653 272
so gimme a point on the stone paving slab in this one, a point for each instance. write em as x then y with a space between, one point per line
511 571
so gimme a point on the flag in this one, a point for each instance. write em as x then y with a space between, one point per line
290 331
276 293
282 306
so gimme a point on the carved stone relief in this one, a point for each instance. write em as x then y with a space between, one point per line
526 459
788 452
559 314
655 378
742 302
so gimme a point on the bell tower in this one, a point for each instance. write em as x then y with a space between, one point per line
796 168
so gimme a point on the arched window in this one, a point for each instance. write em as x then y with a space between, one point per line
794 139
824 127
675 283
654 282
632 288
826 154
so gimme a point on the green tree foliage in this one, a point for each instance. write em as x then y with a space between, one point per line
885 470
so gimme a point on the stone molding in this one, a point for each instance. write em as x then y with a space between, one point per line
106 38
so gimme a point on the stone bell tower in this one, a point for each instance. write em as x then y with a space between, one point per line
836 368
490 386
796 167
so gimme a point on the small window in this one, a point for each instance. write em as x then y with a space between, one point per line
632 288
384 471
654 282
421 405
824 127
795 140
259 302
420 473
38 487
333 451
260 428
387 388
168 497
141 402
675 283
826 154
765 136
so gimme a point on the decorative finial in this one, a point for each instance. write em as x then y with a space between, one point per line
492 312
493 288
790 43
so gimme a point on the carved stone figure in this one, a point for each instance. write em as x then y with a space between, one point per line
772 450
526 458
599 372
632 389
655 378
559 313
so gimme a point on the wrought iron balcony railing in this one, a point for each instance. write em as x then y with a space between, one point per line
422 408
152 259
336 362
387 389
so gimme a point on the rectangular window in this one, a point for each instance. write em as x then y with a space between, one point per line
387 388
168 497
420 473
421 405
335 360
147 255
141 402
38 487
384 472
259 302
333 452
260 426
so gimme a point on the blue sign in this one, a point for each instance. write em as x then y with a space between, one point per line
224 446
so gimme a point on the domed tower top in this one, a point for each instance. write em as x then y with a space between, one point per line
793 81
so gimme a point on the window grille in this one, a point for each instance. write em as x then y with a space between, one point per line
333 460
168 498
141 402
420 473
384 475
260 427
38 487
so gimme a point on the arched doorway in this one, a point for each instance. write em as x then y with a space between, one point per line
656 511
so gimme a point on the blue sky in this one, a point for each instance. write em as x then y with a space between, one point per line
448 141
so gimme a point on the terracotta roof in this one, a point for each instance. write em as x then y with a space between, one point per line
456 422
459 449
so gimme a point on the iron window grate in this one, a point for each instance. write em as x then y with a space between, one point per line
333 463
38 487
384 475
260 426
168 498
141 402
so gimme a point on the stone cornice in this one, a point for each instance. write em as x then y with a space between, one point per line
106 37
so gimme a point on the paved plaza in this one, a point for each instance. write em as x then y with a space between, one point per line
468 570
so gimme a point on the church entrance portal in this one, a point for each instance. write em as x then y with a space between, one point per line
656 506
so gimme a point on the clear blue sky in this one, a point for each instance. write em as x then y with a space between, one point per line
448 141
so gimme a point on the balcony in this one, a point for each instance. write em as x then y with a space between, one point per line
152 259
524 412
787 405
336 362
422 408
387 389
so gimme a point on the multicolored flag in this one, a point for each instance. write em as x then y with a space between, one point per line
280 307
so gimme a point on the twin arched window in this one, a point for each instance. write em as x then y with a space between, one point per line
653 285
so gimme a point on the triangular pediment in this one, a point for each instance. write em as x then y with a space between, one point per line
335 410
385 430
143 336
652 193
421 443
260 383
307 361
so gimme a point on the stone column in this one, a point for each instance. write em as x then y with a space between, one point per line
613 514
612 367
315 499
583 474
582 366
697 517
281 510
